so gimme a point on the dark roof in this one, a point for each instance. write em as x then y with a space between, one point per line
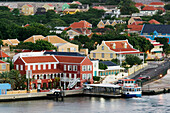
150 28
64 53
108 63
101 30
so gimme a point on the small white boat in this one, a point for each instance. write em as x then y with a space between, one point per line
130 88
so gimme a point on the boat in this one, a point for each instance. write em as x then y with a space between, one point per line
130 88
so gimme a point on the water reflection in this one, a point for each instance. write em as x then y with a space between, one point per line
146 104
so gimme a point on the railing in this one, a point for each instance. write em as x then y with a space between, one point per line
72 83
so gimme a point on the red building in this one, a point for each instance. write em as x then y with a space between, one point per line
73 71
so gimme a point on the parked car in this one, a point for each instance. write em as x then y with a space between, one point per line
144 78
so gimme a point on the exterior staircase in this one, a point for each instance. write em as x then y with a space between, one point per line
72 83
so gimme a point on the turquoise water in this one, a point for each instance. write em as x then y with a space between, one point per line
146 104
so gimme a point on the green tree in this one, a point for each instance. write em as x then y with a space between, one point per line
167 6
73 5
16 12
4 8
133 60
43 45
163 41
56 22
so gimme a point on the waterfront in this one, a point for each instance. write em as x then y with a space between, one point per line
146 104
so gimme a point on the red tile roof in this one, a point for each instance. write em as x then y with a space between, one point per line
156 3
132 52
161 8
138 22
149 8
153 21
26 25
2 61
50 5
99 7
50 71
139 4
135 27
39 59
158 44
120 46
81 24
2 54
69 59
29 5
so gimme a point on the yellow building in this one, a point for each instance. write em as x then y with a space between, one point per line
109 50
103 23
28 9
34 38
134 19
4 66
61 44
71 11
48 7
11 42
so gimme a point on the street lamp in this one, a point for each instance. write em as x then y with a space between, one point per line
160 75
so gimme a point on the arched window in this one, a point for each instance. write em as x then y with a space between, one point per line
114 46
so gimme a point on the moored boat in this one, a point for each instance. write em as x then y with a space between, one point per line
130 88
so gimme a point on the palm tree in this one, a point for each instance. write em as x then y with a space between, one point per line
5 77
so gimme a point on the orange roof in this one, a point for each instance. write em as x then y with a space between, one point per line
50 5
139 4
160 8
70 59
120 46
29 5
149 8
39 59
11 42
26 25
137 22
156 3
34 38
80 24
99 7
128 79
3 62
2 54
54 39
135 27
153 21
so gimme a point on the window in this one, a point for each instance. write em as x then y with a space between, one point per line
94 55
4 66
62 50
89 67
54 66
75 49
39 67
33 67
49 66
17 67
114 46
83 76
44 66
125 45
74 68
64 67
111 55
69 67
83 68
89 76
102 55
102 47
21 67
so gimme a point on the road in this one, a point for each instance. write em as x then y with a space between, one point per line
155 72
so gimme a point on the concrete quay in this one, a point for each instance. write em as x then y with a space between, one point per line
159 86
